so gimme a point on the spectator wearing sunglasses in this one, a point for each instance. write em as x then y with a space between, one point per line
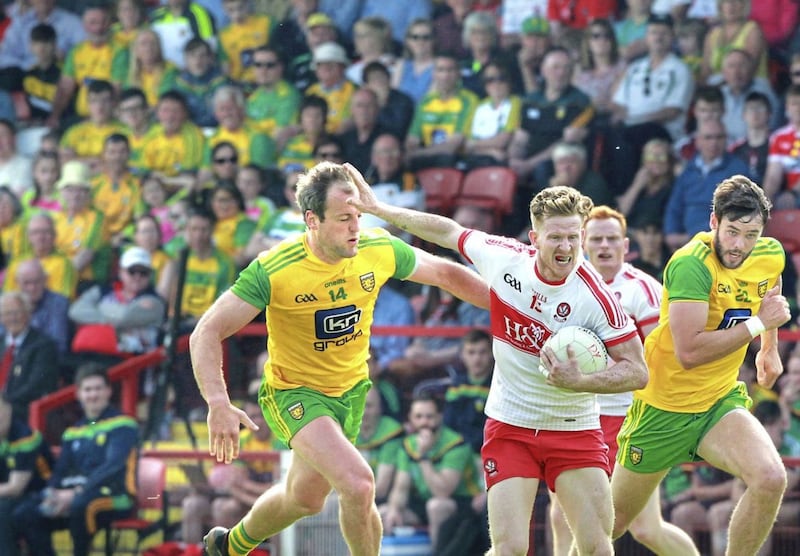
275 102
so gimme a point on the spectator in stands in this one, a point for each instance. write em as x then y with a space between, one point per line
442 118
81 232
144 66
329 62
387 165
496 118
86 62
690 35
286 222
358 140
557 112
49 308
708 103
735 30
12 226
147 235
630 32
380 440
130 305
738 80
232 227
329 147
373 43
392 308
434 473
481 40
43 195
129 19
29 367
449 26
395 108
41 238
233 488
173 150
16 54
315 29
199 80
686 212
298 151
709 486
15 169
274 104
91 482
209 272
782 177
413 73
41 79
465 398
601 65
134 112
401 16
644 200
753 148
115 190
650 102
769 413
25 465
569 161
85 140
252 145
251 182
577 14
239 39
535 42
180 21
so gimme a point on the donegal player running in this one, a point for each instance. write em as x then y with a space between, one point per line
319 292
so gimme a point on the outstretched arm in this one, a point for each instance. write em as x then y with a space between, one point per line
453 277
430 227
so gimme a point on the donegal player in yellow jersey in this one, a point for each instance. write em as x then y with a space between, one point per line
319 292
721 291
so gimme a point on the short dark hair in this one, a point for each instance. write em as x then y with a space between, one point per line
428 396
91 369
100 86
767 412
313 186
737 197
117 138
314 101
132 92
476 335
43 32
709 93
374 67
176 96
196 43
758 96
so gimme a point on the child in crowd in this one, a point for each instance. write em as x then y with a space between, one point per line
250 181
691 34
154 196
199 80
40 81
46 171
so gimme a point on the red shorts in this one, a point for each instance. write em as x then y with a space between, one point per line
611 425
510 451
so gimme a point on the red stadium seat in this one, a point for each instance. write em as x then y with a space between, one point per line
441 186
490 187
784 225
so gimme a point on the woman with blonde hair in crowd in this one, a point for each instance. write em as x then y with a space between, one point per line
130 19
601 65
145 66
413 73
373 43
735 31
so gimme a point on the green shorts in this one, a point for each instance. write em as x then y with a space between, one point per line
288 411
654 440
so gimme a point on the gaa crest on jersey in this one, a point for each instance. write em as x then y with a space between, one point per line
562 312
297 411
490 467
635 454
367 281
762 288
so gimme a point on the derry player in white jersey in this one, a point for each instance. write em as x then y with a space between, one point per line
606 245
540 428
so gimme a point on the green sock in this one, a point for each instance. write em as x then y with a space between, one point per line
239 542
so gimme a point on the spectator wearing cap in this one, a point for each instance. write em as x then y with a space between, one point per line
535 41
317 29
329 63
130 305
80 228
650 101
443 118
178 22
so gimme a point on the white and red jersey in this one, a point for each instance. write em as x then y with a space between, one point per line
525 311
784 147
640 296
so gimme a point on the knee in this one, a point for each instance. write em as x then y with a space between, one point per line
441 508
358 489
770 483
516 547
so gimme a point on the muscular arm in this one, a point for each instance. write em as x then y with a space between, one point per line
452 277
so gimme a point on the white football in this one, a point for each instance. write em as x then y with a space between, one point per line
587 348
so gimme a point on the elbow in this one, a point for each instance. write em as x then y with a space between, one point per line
687 359
642 379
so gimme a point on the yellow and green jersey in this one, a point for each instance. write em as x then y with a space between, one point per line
695 274
238 41
87 62
85 230
271 110
252 146
338 99
118 201
206 279
232 234
318 314
61 275
86 138
172 154
436 118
